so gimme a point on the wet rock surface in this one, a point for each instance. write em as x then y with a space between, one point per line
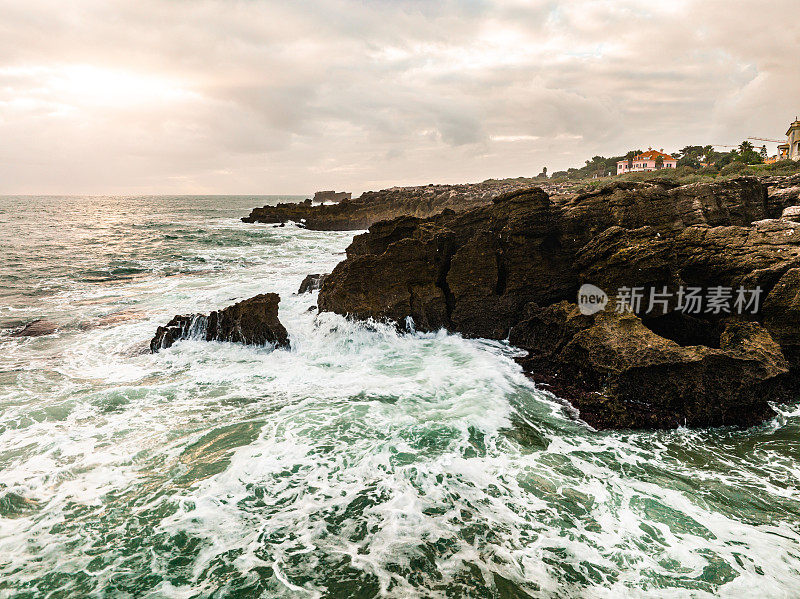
252 321
513 267
621 374
311 283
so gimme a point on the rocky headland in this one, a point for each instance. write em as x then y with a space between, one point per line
509 265
359 213
512 269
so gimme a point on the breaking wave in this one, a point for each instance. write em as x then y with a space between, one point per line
363 462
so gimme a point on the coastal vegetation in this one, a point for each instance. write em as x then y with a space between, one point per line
696 163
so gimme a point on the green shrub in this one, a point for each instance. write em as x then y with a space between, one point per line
784 167
733 168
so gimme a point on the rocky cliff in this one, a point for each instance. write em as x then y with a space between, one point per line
514 266
373 206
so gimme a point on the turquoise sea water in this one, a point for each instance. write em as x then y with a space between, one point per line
361 463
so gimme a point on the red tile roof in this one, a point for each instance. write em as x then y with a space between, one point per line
652 155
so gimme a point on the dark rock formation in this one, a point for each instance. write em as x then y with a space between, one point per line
373 206
621 374
311 283
332 196
469 272
473 272
513 266
252 321
36 328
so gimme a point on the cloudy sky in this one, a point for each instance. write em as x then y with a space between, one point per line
263 96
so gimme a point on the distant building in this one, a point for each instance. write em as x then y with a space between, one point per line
646 161
332 196
791 149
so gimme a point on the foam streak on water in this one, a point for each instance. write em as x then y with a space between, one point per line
361 463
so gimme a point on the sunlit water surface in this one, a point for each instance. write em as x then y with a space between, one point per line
361 463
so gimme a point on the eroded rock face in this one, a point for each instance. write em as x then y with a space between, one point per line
474 271
252 321
621 374
665 207
782 191
781 313
791 212
469 272
481 273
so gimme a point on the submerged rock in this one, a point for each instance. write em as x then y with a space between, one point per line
516 265
252 321
36 328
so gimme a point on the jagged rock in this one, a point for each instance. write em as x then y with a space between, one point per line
468 271
473 272
476 271
311 283
698 256
782 192
36 328
781 313
252 321
663 206
621 374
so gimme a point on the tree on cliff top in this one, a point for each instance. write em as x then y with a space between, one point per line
748 155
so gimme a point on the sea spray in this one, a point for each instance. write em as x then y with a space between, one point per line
363 459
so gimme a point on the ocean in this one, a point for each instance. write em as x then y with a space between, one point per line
361 463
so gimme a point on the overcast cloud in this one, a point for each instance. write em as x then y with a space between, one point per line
261 96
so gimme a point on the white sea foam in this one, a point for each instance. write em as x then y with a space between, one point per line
410 464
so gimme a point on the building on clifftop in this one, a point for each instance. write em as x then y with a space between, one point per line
647 161
791 149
